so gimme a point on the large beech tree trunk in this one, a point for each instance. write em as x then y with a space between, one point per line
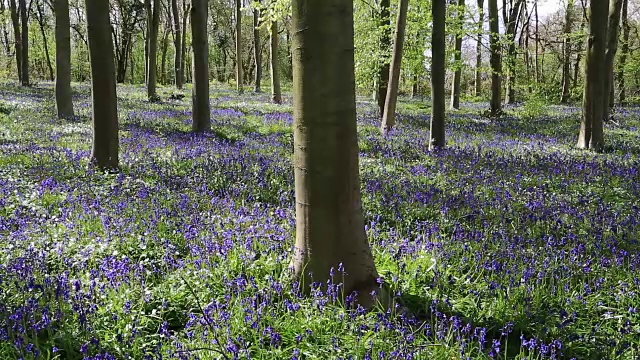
496 61
200 108
626 29
257 51
24 47
104 153
274 64
385 44
64 102
330 233
613 31
388 116
152 67
478 82
455 88
177 36
438 68
591 131
239 77
566 49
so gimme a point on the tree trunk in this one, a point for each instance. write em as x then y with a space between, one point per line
257 50
496 61
385 44
414 86
199 41
566 48
104 153
16 36
626 29
478 82
178 44
24 32
512 27
576 66
455 88
438 69
64 102
613 31
152 67
274 65
5 33
388 117
537 51
163 50
183 56
239 77
591 131
330 232
44 39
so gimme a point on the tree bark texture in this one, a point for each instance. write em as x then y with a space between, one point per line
200 89
64 103
457 75
496 60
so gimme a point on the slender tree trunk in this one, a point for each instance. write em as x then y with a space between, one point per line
579 45
330 232
455 88
613 31
24 32
147 38
537 53
201 109
438 69
17 37
414 86
183 62
104 153
152 67
566 48
388 117
626 29
64 102
178 44
274 65
385 44
44 39
5 33
496 61
257 50
239 78
512 27
591 131
163 50
478 82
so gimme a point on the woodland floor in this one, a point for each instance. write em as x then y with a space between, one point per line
508 244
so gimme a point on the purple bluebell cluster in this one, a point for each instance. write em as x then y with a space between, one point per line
506 244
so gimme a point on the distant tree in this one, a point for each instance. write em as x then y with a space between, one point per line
274 63
330 231
200 88
438 69
496 61
177 41
239 76
613 31
478 73
45 43
17 37
511 19
24 46
388 117
591 131
626 30
457 76
64 102
385 43
104 153
257 50
566 49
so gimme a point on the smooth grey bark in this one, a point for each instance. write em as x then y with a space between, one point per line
152 67
591 131
626 29
496 60
239 75
613 32
566 49
438 69
64 103
457 75
388 117
200 93
385 44
24 46
257 51
274 64
177 41
104 153
478 80
17 37
330 232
